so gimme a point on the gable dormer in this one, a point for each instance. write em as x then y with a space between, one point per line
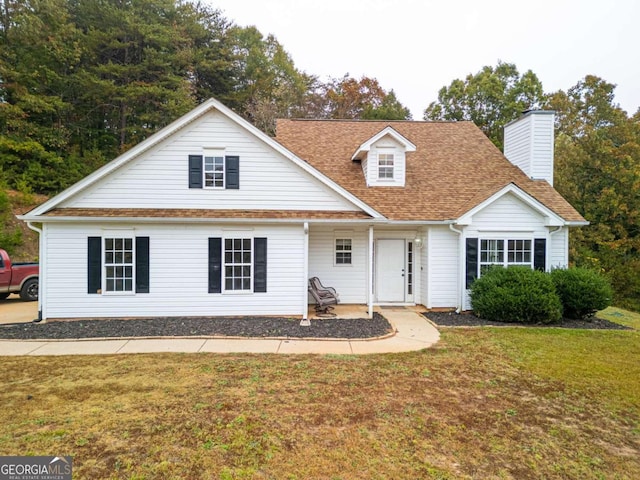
383 158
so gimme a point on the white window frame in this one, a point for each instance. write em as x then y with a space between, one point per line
502 246
342 251
389 165
124 236
233 264
214 155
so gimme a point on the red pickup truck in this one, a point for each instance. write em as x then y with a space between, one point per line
19 278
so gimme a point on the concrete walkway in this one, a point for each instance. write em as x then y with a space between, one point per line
413 332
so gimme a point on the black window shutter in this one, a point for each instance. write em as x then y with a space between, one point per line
471 261
232 171
215 265
540 254
142 264
94 265
195 171
259 264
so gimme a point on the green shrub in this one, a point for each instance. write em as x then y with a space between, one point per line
582 291
516 294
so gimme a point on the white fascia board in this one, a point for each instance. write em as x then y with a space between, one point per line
180 123
366 146
174 220
552 219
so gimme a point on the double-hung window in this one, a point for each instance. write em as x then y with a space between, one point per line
118 264
213 170
492 252
343 251
385 166
519 252
238 261
482 254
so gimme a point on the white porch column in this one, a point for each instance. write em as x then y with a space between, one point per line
370 276
305 299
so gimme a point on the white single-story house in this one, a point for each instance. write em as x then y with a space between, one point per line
212 217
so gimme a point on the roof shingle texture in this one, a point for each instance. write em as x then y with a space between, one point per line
454 168
207 213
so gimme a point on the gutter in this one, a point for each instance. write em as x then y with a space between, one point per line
368 221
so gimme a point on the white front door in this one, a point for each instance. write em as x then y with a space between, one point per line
390 274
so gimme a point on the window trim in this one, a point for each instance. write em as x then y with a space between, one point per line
342 251
391 167
505 253
104 265
214 154
223 275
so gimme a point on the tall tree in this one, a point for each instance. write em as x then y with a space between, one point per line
40 50
389 109
135 68
267 84
490 98
598 171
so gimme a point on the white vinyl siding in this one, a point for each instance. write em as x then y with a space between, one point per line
389 173
178 263
558 249
159 177
528 144
425 262
510 216
443 267
349 281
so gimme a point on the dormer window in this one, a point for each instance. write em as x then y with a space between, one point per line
385 166
384 158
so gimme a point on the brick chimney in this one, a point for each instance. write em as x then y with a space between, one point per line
528 144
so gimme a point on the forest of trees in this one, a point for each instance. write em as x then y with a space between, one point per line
82 81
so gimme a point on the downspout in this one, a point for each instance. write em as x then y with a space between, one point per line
461 263
305 302
41 266
370 279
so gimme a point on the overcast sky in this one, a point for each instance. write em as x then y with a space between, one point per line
415 47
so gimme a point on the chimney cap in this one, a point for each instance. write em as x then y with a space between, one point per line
526 113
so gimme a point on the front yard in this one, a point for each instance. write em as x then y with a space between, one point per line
484 403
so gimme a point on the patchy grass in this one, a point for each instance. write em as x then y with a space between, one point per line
623 317
484 403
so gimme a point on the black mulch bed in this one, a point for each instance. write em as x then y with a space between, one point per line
209 326
452 319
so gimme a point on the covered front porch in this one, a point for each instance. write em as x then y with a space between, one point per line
369 266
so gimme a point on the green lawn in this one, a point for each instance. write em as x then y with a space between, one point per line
490 403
